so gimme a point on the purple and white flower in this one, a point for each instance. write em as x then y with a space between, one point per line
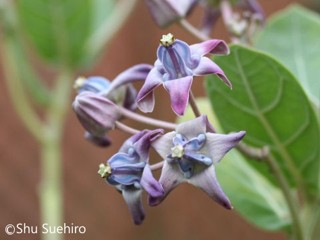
129 171
175 68
191 154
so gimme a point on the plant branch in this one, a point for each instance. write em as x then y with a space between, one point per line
292 203
194 105
156 166
150 121
17 93
192 30
125 128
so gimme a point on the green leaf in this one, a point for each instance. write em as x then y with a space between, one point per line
292 36
59 29
251 194
268 103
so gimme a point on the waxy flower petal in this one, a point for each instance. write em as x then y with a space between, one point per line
120 91
175 68
129 172
191 153
96 113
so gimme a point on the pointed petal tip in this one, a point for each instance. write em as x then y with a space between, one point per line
154 201
139 221
227 205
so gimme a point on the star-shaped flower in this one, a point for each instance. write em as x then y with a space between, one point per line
129 171
191 153
175 68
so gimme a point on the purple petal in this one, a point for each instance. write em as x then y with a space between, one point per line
218 145
194 127
198 157
150 184
142 145
145 96
133 200
135 73
210 18
130 99
164 144
213 46
96 113
207 66
178 90
171 177
183 7
164 12
95 84
207 181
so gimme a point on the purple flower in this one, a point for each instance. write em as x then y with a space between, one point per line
129 171
97 98
165 12
175 67
191 153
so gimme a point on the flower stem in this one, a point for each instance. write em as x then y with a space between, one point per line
253 153
150 121
51 190
194 31
194 105
292 203
125 128
156 166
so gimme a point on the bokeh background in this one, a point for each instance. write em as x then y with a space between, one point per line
186 214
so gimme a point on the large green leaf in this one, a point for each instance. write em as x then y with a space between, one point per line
59 29
292 36
251 194
270 105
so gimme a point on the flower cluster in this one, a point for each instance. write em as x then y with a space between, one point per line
190 151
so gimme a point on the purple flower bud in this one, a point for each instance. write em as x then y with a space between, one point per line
103 92
165 12
129 171
97 114
191 153
175 68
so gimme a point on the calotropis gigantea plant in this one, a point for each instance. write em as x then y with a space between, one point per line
189 153
263 97
267 102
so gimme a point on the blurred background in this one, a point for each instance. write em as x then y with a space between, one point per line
187 213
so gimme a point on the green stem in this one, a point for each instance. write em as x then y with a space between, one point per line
51 190
17 93
291 200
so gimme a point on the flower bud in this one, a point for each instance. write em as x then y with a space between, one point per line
96 113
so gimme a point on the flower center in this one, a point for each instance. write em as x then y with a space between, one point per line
177 151
167 40
104 170
79 83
